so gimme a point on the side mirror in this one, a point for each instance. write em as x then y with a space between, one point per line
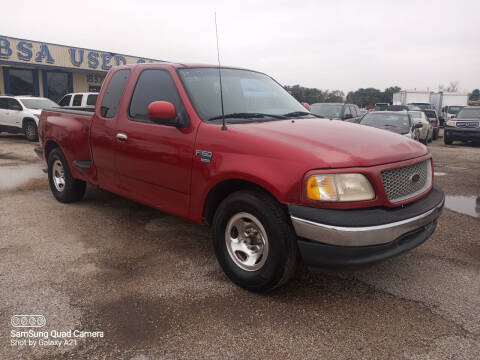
163 112
418 126
306 106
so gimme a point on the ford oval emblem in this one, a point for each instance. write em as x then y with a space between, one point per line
415 178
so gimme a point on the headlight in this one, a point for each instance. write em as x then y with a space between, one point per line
339 187
451 123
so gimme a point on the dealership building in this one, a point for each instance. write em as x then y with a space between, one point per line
50 70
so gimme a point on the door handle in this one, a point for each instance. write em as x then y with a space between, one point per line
121 137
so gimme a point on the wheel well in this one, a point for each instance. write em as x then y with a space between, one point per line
27 119
49 146
220 191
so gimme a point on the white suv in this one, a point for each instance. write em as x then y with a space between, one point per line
20 114
79 100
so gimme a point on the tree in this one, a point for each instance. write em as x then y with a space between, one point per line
453 87
314 95
475 95
388 93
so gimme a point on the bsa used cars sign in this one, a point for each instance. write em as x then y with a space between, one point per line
18 51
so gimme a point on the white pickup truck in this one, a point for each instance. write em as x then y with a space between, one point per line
20 114
79 100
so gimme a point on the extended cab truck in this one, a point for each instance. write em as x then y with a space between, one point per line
274 183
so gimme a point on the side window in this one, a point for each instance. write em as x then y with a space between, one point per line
353 111
65 100
154 85
14 105
113 94
346 112
3 103
77 100
92 99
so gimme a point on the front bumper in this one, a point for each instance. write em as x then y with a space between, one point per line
347 237
458 133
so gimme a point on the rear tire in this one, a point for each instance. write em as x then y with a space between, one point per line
254 241
64 187
30 130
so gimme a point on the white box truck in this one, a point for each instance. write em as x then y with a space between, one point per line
405 97
448 104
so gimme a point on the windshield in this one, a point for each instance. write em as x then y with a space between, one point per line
399 123
430 113
331 111
422 106
243 91
38 103
469 113
454 109
416 114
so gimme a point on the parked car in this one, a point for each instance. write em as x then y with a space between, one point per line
271 179
425 133
402 108
350 112
465 127
19 114
79 100
394 121
434 121
381 106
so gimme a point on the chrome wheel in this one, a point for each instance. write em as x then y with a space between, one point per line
247 241
58 175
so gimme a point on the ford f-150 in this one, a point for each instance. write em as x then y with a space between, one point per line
276 183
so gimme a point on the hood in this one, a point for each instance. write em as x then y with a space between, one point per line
36 112
327 143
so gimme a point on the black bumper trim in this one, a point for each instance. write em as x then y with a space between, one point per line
318 255
370 216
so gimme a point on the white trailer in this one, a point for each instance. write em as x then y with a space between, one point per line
405 97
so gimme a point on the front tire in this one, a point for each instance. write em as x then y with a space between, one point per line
30 130
64 187
447 140
254 241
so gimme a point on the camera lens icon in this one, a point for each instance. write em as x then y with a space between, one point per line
28 320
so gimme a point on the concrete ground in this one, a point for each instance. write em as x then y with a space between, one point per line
151 283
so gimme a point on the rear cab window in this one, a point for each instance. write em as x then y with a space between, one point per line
113 94
92 99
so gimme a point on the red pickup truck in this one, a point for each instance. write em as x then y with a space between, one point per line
276 183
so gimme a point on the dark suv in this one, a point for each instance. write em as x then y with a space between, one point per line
349 112
466 127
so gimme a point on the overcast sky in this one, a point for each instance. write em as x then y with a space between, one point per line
339 44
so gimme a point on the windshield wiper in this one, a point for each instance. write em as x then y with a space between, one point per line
246 116
298 113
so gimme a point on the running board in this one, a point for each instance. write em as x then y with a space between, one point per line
83 164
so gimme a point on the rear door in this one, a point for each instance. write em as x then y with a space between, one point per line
104 128
4 111
153 161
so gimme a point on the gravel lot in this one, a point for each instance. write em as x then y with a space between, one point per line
151 283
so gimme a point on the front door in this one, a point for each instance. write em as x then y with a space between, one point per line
153 161
16 113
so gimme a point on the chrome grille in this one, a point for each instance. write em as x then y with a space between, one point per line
408 181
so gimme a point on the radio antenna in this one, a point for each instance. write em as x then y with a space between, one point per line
224 127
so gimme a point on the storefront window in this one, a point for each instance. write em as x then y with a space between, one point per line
20 82
56 84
